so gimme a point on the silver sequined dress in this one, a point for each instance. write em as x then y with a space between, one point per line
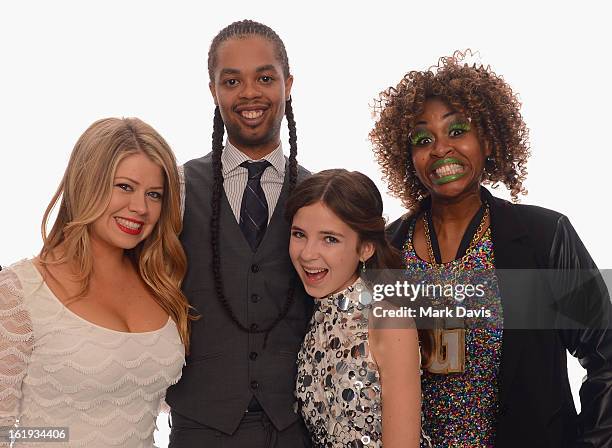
338 385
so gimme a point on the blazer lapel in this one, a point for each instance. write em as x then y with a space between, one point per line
511 252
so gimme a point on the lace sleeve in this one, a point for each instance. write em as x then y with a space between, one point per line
16 339
163 407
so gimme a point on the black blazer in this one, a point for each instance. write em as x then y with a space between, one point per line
536 408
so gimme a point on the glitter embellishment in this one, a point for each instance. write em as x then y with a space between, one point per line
338 386
449 399
365 297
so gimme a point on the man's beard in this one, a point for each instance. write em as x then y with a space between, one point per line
235 133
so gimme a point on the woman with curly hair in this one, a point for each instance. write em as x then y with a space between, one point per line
440 135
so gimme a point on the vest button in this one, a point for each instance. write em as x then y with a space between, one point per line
254 327
253 356
255 298
254 268
254 384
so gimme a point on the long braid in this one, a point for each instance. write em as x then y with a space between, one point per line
238 29
293 171
217 191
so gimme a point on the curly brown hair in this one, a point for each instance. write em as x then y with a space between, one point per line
474 90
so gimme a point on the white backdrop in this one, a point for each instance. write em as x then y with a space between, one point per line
65 64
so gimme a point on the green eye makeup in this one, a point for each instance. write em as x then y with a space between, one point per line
459 126
418 137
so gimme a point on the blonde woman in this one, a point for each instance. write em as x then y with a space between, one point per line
94 329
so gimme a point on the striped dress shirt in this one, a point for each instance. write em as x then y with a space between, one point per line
235 178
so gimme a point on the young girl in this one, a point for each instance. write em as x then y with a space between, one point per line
346 368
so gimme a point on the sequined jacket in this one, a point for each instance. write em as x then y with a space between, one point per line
536 408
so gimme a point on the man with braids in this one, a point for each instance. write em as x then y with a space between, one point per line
237 387
440 135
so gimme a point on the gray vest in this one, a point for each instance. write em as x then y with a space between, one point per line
226 366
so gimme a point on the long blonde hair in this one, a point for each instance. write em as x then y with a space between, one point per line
85 193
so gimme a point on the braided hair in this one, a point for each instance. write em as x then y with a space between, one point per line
239 30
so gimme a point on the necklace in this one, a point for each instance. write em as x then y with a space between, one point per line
449 343
473 242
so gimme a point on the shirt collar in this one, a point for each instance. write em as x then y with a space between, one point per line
232 157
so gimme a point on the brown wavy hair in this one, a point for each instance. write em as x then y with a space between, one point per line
84 194
474 90
355 199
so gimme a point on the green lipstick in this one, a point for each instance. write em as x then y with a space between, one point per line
445 161
450 177
447 179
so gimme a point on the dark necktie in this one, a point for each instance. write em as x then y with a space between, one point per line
254 207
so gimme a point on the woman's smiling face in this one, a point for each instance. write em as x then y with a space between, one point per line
447 153
135 204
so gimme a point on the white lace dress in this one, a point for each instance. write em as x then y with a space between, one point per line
60 370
